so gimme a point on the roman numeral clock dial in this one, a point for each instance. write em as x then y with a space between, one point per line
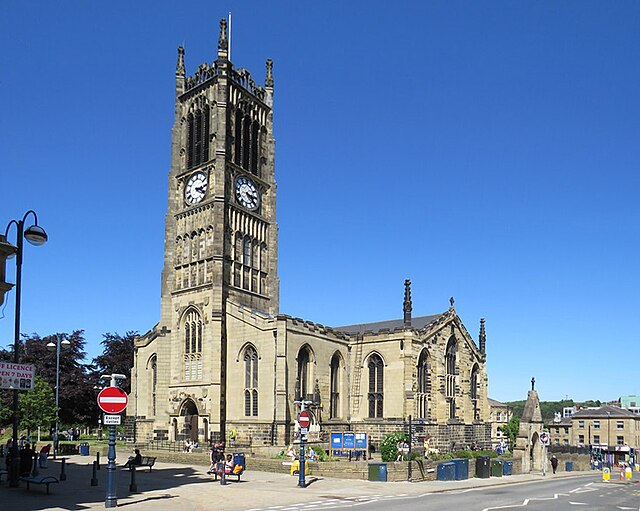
196 188
247 193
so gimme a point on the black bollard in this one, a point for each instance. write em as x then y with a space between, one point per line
133 487
63 474
98 459
94 477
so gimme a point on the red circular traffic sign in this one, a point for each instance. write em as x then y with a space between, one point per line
113 400
303 419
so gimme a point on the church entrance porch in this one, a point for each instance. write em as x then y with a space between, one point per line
185 426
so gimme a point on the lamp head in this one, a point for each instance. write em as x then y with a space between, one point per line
36 235
51 346
66 343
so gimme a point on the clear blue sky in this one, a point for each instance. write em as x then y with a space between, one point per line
485 150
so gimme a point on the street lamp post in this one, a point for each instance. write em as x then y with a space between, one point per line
35 235
51 346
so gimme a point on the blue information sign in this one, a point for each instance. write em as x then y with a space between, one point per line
361 440
336 440
349 441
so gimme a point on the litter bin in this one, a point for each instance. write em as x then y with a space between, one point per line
507 468
377 471
446 471
461 468
483 469
568 466
496 468
83 448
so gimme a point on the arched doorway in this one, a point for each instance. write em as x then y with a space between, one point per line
189 423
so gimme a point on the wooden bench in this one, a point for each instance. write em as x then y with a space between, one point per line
146 461
47 480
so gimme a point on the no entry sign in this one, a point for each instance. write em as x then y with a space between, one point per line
113 400
303 419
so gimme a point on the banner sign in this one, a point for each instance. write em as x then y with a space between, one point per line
16 376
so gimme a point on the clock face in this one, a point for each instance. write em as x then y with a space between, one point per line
247 193
196 188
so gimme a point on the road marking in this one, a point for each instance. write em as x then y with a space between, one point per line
623 507
578 503
525 502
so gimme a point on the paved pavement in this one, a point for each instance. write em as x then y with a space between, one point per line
181 487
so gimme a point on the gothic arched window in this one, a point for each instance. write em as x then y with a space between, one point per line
422 395
473 391
153 365
193 346
250 382
334 408
376 386
450 367
304 373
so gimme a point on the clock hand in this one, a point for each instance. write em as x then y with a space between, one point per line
200 189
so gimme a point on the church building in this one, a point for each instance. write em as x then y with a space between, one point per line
223 362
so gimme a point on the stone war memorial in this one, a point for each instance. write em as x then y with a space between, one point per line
223 362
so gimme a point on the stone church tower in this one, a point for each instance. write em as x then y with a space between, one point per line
220 235
223 362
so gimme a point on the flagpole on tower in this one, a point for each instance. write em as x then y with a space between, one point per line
229 35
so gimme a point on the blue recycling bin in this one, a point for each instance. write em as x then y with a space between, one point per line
446 471
507 468
461 469
377 471
568 466
84 449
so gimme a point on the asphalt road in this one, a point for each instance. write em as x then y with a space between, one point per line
584 493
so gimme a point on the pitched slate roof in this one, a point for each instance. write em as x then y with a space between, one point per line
417 323
493 402
604 412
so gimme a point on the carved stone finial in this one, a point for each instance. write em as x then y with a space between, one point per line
452 301
482 337
407 306
268 81
223 43
180 71
533 383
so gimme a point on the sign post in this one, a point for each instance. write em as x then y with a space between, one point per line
112 400
304 421
545 439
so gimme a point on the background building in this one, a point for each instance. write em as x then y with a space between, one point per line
499 415
223 362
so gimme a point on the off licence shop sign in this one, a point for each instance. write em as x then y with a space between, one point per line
16 376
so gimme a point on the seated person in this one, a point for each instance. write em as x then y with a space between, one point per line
229 464
134 460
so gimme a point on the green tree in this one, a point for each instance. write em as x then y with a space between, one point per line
37 408
510 429
389 445
117 356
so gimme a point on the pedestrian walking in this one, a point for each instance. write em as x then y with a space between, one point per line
554 463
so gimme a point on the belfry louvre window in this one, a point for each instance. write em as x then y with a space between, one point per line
246 145
198 137
376 386
193 346
250 382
